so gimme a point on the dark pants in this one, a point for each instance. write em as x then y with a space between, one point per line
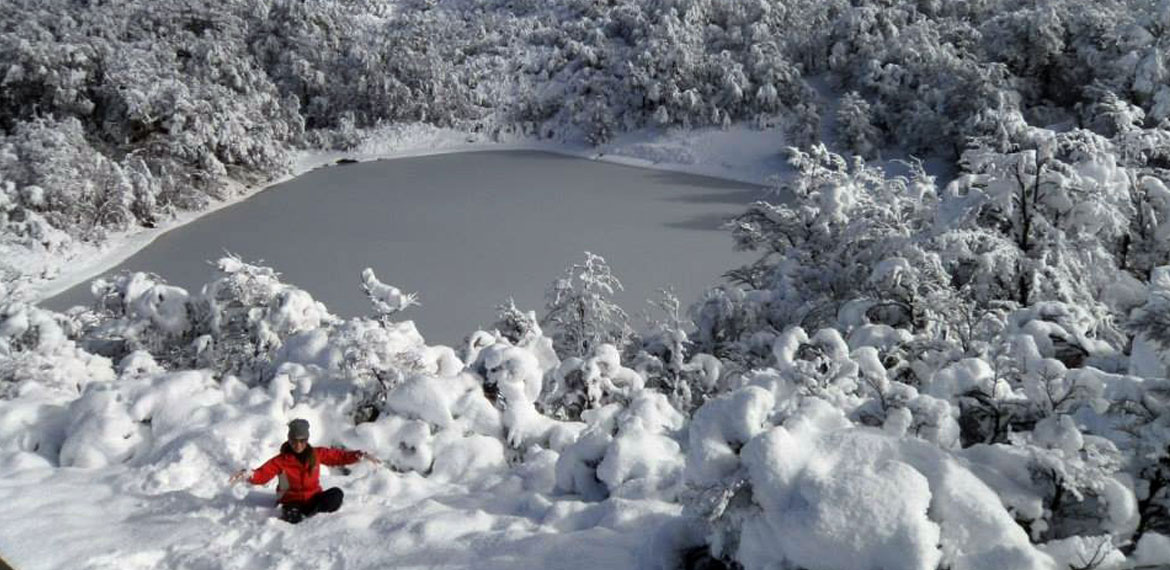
326 501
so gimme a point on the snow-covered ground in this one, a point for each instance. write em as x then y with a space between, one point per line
145 460
105 519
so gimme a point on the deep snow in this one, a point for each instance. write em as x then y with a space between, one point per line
85 519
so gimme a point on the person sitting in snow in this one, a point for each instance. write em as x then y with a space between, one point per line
299 467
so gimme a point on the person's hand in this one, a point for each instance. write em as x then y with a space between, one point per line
370 458
241 475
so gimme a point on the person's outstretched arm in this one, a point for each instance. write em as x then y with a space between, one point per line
333 456
258 477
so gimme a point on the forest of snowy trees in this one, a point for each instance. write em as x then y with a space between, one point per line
983 363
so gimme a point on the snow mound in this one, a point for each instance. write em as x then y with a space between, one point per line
833 496
1153 550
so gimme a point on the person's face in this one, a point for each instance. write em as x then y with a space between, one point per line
298 445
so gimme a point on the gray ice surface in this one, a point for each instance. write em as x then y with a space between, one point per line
466 231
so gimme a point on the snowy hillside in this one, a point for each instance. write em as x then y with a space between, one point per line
957 372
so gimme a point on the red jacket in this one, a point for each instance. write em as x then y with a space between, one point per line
300 483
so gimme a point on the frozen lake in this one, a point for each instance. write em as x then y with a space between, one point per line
466 231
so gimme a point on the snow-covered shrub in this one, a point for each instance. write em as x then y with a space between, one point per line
1097 552
37 353
517 326
580 311
510 379
899 408
236 324
579 384
34 424
1074 473
139 311
727 317
372 357
387 299
923 509
645 458
523 330
858 383
1029 374
719 430
1063 204
121 128
664 362
250 314
893 57
629 451
576 468
439 424
826 247
790 482
1153 550
101 430
1148 228
66 181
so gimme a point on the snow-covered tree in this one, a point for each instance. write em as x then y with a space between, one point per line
855 126
670 366
827 247
580 310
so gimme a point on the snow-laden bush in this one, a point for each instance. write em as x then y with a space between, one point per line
664 364
849 231
43 373
438 425
121 128
1061 432
630 452
37 353
729 320
797 483
1062 203
177 426
580 384
236 324
141 312
580 310
100 431
1009 247
1011 436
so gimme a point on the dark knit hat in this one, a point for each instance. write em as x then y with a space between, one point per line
298 429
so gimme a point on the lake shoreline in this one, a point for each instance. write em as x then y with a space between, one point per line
467 231
688 152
